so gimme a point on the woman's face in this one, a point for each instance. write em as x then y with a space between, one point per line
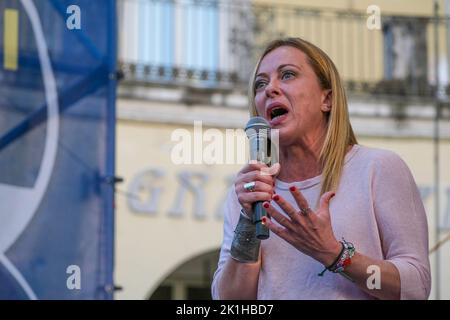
289 96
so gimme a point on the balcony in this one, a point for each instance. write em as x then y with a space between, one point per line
212 45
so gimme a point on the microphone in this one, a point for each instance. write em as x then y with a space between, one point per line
258 132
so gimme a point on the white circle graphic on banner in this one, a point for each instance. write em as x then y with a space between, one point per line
19 204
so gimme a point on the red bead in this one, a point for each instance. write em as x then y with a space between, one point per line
347 262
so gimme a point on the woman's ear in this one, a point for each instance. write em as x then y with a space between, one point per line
326 100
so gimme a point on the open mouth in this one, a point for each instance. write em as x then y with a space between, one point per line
276 112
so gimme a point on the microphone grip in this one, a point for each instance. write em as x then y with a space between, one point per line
262 232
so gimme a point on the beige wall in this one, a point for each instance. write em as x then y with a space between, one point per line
149 247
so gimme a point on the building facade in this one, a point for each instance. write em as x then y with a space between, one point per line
186 66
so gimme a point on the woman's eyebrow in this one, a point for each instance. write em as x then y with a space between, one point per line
288 65
279 68
261 74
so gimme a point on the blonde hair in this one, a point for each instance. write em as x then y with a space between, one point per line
339 130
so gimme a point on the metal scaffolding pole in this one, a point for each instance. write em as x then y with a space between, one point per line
436 149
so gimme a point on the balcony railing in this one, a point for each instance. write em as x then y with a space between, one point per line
214 44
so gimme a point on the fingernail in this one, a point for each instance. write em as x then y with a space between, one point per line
264 220
292 188
266 205
276 197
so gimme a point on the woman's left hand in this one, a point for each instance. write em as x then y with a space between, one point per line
310 232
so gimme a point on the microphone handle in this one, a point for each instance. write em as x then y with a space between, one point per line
262 232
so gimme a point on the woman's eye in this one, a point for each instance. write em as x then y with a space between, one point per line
287 75
259 84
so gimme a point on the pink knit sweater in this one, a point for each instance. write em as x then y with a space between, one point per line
377 207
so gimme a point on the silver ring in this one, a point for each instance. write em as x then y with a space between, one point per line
304 211
250 186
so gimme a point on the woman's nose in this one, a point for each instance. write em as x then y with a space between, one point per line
272 89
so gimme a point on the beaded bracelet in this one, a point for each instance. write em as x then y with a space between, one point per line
343 260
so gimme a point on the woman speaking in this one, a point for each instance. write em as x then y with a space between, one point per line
346 221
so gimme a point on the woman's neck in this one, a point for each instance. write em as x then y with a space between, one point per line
300 162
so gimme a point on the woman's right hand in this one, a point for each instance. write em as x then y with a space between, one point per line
263 176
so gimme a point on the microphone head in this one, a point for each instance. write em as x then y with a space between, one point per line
257 123
258 133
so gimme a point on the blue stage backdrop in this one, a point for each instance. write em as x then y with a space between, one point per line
57 123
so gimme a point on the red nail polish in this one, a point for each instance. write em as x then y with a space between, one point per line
264 220
266 205
292 188
276 197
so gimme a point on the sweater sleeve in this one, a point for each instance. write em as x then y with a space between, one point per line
230 215
402 224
